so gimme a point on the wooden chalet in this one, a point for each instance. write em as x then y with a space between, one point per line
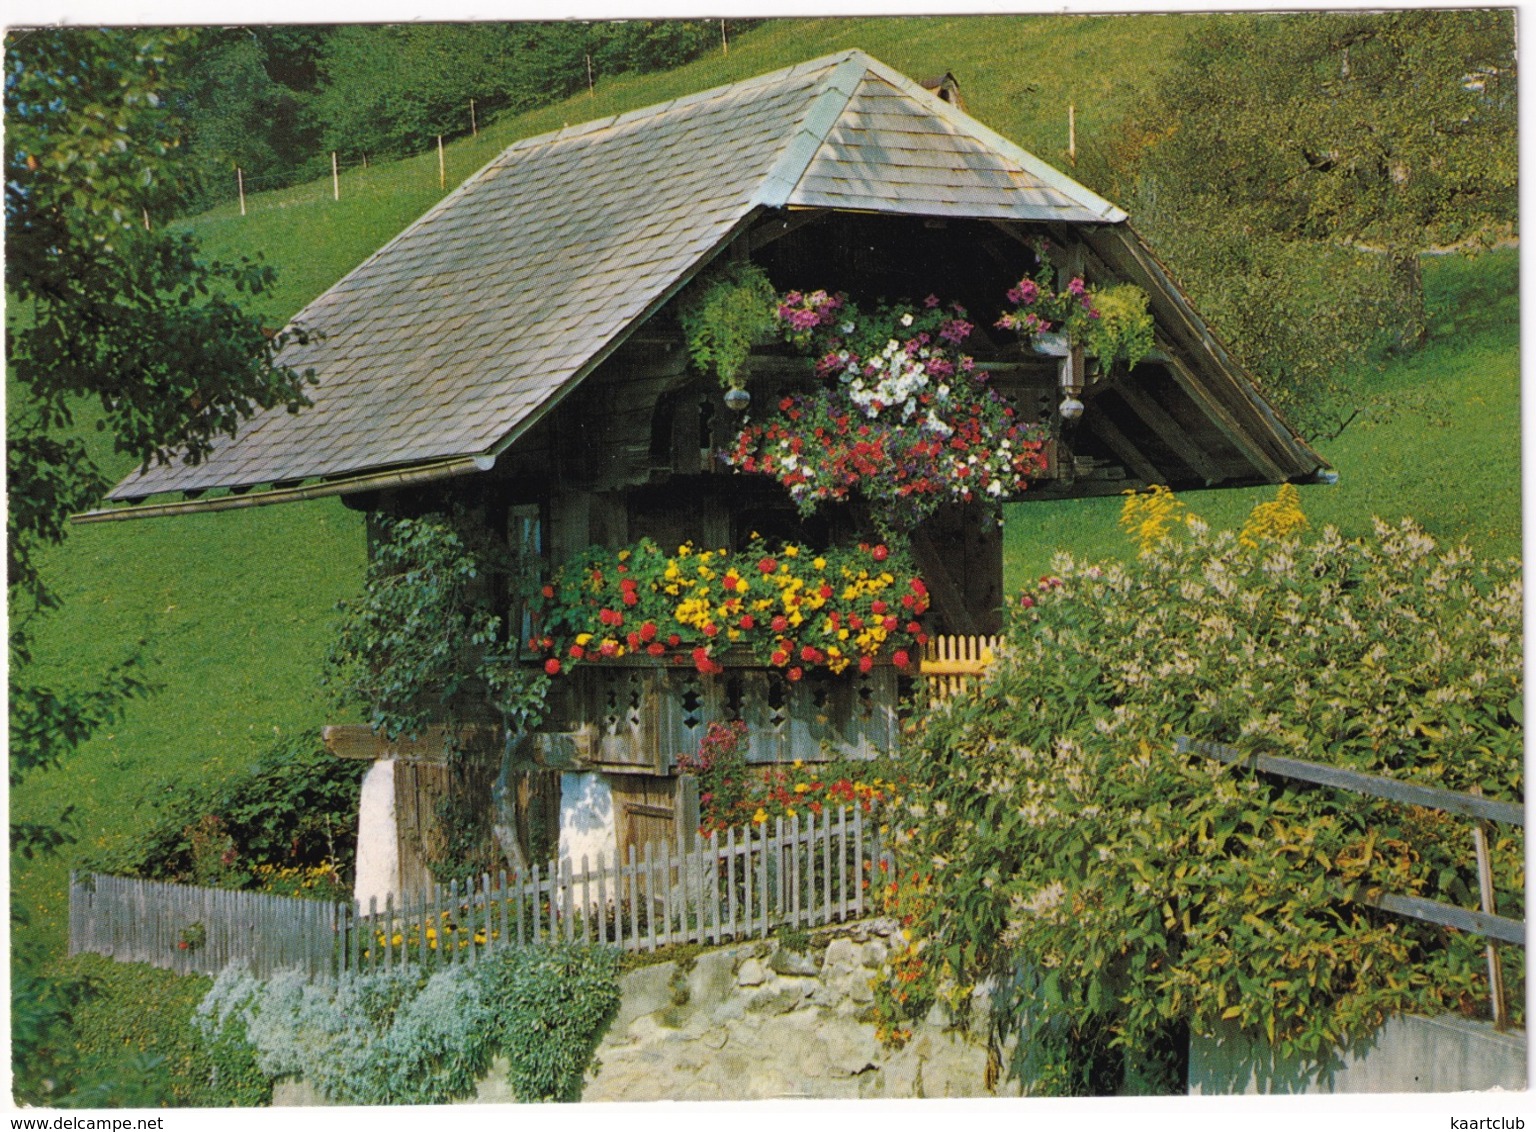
517 350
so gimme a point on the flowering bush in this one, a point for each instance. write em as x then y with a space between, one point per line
1110 323
316 882
731 794
1128 892
794 608
903 419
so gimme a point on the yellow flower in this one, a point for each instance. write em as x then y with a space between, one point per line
624 555
791 552
583 639
760 817
802 787
819 563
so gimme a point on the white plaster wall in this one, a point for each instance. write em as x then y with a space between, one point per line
378 842
586 819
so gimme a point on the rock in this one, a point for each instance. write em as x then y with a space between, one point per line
712 980
751 974
787 962
643 991
873 954
841 954
715 1038
851 1048
781 997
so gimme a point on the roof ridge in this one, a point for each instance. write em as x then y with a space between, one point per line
979 131
655 108
810 132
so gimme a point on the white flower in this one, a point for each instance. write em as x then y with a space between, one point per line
906 320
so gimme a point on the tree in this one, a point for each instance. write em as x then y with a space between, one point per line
1312 158
108 319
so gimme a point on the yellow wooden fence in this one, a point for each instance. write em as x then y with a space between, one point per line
951 664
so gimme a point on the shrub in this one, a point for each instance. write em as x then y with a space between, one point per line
402 1037
137 1046
288 820
1129 894
551 1007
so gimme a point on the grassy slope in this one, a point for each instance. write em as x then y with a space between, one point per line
236 606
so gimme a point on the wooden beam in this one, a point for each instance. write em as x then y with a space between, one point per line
1223 420
359 741
1358 782
1121 445
780 226
1173 434
948 596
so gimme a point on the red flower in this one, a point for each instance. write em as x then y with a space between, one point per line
879 607
609 648
794 673
577 652
552 666
648 631
880 553
779 624
809 655
747 622
548 591
825 591
866 663
674 640
1026 602
631 598
900 658
767 565
656 649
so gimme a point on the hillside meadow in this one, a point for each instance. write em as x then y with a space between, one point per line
232 611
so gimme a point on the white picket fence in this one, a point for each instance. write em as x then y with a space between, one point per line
805 872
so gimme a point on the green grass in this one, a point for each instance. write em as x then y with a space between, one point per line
235 608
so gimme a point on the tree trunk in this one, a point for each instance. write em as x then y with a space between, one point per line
1408 282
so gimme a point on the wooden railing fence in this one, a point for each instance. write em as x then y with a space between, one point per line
1485 922
741 884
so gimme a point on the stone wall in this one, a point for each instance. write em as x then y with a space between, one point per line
757 1022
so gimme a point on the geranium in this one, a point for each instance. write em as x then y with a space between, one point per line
903 418
788 609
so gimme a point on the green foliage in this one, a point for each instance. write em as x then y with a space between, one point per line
418 642
1123 329
1142 892
1292 169
135 1044
296 808
389 90
402 1037
104 312
551 1006
726 313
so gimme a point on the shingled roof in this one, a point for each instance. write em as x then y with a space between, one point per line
452 340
